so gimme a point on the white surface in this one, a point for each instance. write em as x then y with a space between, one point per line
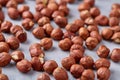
55 53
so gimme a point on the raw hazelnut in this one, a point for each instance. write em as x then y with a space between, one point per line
60 74
106 33
102 62
114 13
115 55
68 34
116 37
4 47
95 34
90 2
3 77
46 43
65 44
113 21
85 14
38 32
5 59
43 76
64 8
103 51
115 28
61 21
77 40
27 14
79 22
27 23
48 29
76 70
24 66
44 20
50 66
87 62
115 6
83 33
13 42
12 3
77 47
15 28
102 20
5 26
83 6
37 63
37 16
39 7
57 34
53 6
103 73
2 17
13 13
23 8
94 11
3 2
17 56
67 62
91 28
20 1
57 13
91 43
46 12
35 45
2 38
90 21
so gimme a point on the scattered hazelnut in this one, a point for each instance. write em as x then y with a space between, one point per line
91 28
77 47
23 8
53 6
94 11
64 8
85 14
12 3
77 40
27 14
13 13
42 21
116 37
15 28
2 38
113 21
35 45
37 16
2 17
5 26
115 6
57 13
95 34
4 47
90 2
79 23
68 34
3 77
114 13
48 29
115 28
83 33
46 12
83 6
39 7
43 76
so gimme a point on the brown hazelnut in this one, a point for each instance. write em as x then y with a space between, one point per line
24 66
95 34
13 13
43 76
39 7
50 66
13 42
2 38
90 21
0 70
27 14
79 22
20 1
57 34
76 70
64 8
94 11
65 44
114 13
102 62
77 47
53 6
115 6
5 26
12 3
57 13
46 43
91 43
115 55
103 51
106 33
113 21
0 7
23 8
102 20
67 62
2 17
15 28
83 33
38 32
35 45
83 6
68 34
85 14
3 77
91 28
116 37
37 63
68 1
17 56
103 73
115 28
90 2
5 59
44 20
58 72
48 29
27 23
3 2
46 12
77 40
4 47
37 16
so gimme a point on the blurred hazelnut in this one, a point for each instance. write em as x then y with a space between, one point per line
115 28
48 29
85 14
94 11
3 2
115 6
43 76
13 13
95 34
0 70
5 26
20 1
83 33
116 37
46 12
15 28
64 8
90 2
53 6
2 17
27 14
42 21
90 21
114 13
2 38
12 3
91 28
77 40
113 21
68 1
23 8
39 7
4 47
79 23
57 13
68 34
37 16
77 47
3 77
83 6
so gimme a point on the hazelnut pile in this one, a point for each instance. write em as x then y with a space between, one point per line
80 31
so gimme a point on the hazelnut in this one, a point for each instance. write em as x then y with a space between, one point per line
115 28
77 47
35 45
106 33
13 13
5 26
79 23
115 55
43 76
68 34
67 62
83 33
20 1
91 43
57 34
17 56
95 34
4 47
94 11
39 7
83 6
114 13
2 17
57 13
53 6
50 66
102 20
38 32
103 73
23 8
5 59
13 42
46 12
48 29
65 44
3 2
3 77
85 14
64 8
27 14
102 62
42 21
27 23
113 21
15 28
37 16
12 3
37 63
90 2
2 38
58 72
103 51
76 70
90 21
91 28
115 6
0 70
68 1
116 37
77 40
46 43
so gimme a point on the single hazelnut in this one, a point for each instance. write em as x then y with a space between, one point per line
5 26
94 11
48 29
64 8
12 3
53 6
77 40
90 2
115 28
68 34
85 14
96 34
37 16
23 8
90 21
43 76
115 6
83 6
2 17
20 1
3 77
39 7
83 33
77 47
13 13
5 59
27 14
113 21
3 2
57 13
2 38
114 13
44 20
15 28
46 12
35 45
4 47
79 23
91 28
116 37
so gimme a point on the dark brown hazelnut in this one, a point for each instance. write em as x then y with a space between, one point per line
48 29
90 2
58 72
116 37
115 28
0 7
46 12
83 33
13 42
5 59
15 28
115 55
2 17
83 6
38 32
37 16
85 14
79 22
113 21
24 66
76 70
96 34
91 28
44 20
20 1
4 47
23 8
95 11
65 44
3 2
68 34
43 76
2 38
103 73
53 6
102 62
57 13
115 6
39 7
90 21
27 14
114 13
5 26
64 8
77 40
67 62
17 56
3 77
77 47
13 13
12 3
